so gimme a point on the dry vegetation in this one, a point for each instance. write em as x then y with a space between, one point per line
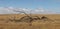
39 21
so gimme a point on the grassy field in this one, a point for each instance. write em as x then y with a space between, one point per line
52 23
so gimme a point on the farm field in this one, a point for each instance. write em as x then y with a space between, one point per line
53 22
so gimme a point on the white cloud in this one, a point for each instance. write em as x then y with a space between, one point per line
5 10
9 10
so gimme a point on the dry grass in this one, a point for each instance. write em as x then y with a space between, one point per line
35 24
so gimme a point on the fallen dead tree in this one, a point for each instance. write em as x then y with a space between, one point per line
28 18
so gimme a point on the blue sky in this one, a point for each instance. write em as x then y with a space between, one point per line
53 5
31 3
